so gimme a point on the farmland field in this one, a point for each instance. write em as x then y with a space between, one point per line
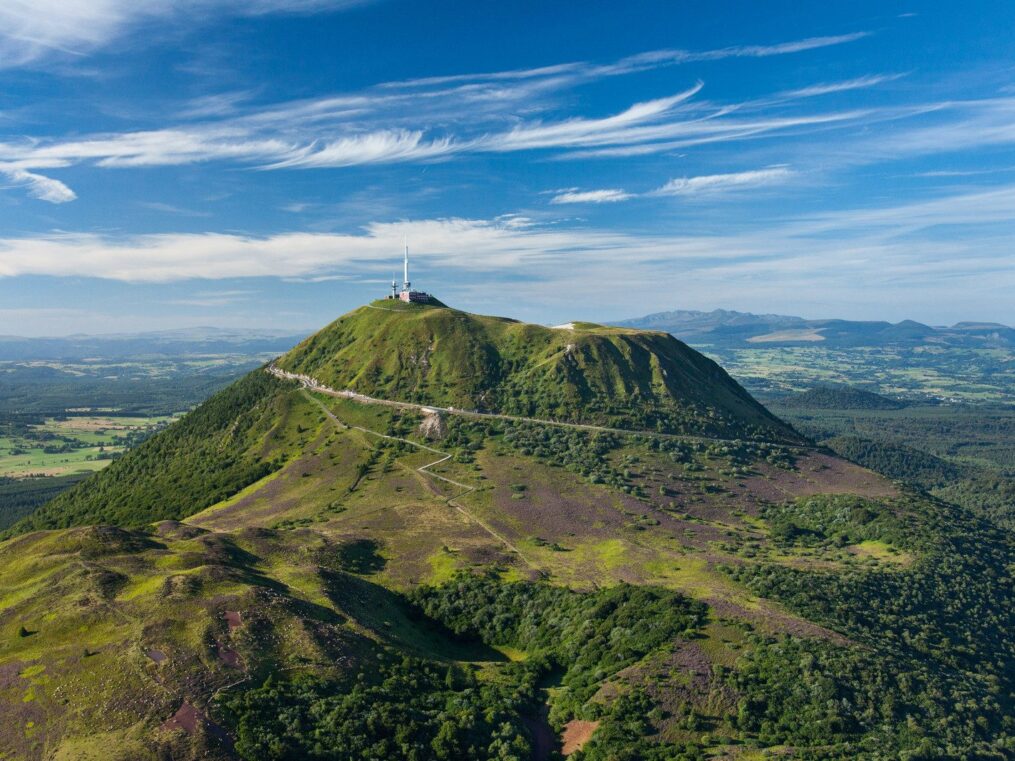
58 447
922 373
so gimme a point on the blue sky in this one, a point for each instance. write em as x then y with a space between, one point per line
169 163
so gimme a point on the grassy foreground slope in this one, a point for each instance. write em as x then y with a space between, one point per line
542 589
581 373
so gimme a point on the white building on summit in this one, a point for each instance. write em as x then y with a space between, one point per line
407 294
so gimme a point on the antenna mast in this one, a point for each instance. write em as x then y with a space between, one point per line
406 279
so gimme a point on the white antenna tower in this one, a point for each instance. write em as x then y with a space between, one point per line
406 279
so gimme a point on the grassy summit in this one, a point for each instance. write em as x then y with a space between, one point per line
587 373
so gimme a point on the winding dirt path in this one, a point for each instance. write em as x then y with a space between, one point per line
425 470
313 384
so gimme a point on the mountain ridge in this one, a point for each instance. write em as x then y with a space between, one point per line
728 328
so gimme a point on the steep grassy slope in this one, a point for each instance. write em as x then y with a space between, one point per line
584 373
116 643
240 435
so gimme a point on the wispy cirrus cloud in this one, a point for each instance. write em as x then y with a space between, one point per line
384 146
828 88
323 134
440 118
39 186
717 183
608 195
658 57
652 59
577 132
700 185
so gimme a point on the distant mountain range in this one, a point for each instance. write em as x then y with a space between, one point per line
720 329
729 329
158 343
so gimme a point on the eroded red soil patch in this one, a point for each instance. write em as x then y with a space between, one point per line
186 718
233 619
577 732
190 719
229 657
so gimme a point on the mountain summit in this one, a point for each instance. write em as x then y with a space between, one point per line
577 373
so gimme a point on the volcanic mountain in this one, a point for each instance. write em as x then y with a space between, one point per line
580 372
450 536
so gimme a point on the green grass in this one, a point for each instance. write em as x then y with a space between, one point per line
443 565
882 552
441 356
300 491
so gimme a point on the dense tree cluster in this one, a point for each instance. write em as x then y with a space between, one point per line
590 636
404 707
879 697
840 398
939 633
964 454
897 461
22 496
581 452
391 707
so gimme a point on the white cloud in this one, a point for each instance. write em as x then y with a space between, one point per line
961 125
714 127
576 132
34 29
385 146
660 57
39 186
713 183
439 118
847 262
880 239
609 195
303 135
828 88
583 70
782 48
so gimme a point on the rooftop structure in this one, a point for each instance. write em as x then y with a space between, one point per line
407 294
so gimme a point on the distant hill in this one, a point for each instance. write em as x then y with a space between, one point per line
839 398
152 344
721 328
897 461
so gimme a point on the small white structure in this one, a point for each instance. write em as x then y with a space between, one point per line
407 294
